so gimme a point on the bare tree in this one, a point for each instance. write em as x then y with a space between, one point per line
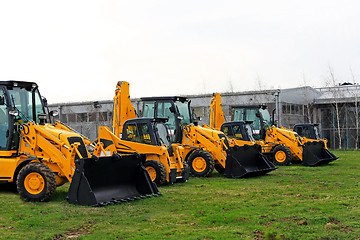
230 86
259 83
331 82
308 103
356 111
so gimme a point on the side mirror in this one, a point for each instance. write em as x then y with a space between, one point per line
2 100
54 113
172 109
45 101
14 113
196 121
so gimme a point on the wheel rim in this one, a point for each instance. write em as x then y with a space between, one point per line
34 183
280 156
152 173
199 164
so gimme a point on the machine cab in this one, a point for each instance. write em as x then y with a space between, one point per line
175 109
258 115
20 102
147 131
307 130
239 130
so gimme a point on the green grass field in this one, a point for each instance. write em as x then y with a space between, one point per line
292 202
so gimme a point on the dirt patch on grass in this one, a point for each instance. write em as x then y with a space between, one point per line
302 222
76 233
241 220
259 235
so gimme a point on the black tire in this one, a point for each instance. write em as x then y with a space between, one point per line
219 168
36 183
281 155
156 171
201 163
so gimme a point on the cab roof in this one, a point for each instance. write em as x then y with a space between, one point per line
14 83
171 98
250 106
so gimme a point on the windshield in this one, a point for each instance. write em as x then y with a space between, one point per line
149 109
266 117
184 112
163 134
249 132
238 115
138 133
22 99
317 134
4 123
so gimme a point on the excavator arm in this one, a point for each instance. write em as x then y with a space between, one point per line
123 109
37 141
217 117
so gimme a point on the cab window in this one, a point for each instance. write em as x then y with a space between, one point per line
149 109
266 117
138 133
237 132
21 98
183 108
163 111
251 116
4 123
163 134
238 115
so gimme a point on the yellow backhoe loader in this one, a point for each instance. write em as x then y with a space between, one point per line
284 145
146 136
205 148
38 156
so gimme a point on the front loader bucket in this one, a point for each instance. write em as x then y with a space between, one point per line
246 161
108 180
315 153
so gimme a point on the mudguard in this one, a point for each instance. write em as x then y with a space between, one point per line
246 161
315 153
109 180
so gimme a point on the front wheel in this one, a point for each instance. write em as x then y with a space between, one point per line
281 155
201 163
36 183
157 171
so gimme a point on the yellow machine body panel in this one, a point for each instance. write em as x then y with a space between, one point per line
207 139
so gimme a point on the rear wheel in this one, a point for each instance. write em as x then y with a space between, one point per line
156 171
36 183
201 163
281 155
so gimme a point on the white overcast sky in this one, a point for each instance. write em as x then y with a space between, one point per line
78 50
